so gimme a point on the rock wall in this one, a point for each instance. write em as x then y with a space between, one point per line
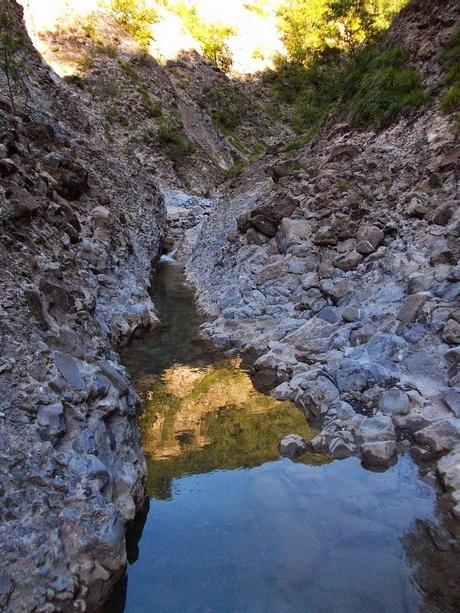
80 224
338 270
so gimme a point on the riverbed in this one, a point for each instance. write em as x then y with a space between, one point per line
231 526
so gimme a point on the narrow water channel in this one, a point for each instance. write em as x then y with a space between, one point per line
232 526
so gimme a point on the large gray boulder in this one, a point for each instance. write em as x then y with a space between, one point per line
442 435
319 397
369 238
394 402
357 376
375 429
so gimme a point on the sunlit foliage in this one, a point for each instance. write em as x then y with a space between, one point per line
302 27
310 26
136 17
212 36
334 62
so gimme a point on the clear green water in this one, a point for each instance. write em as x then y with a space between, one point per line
232 527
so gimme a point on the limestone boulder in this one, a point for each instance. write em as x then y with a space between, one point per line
440 436
379 453
393 402
292 232
292 445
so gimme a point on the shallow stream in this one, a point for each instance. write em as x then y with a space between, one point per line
232 526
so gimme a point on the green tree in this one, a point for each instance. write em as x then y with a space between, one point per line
309 27
351 23
302 28
11 61
136 17
212 36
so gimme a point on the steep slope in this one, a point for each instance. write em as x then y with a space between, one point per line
184 120
338 270
79 227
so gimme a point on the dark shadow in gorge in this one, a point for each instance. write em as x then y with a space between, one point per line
435 554
117 601
177 340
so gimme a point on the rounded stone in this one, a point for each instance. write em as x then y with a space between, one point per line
292 445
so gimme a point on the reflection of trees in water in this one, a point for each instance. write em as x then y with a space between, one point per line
197 421
435 555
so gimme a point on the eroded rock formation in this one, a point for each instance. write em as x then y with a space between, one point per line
79 231
349 300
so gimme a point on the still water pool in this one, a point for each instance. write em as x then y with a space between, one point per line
231 526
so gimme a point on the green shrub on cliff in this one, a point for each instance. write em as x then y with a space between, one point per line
335 63
170 135
450 101
382 86
225 104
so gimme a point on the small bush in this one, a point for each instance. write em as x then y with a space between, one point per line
450 100
151 106
300 141
85 62
130 70
106 49
77 80
171 137
235 170
89 28
114 115
148 137
108 90
258 151
225 104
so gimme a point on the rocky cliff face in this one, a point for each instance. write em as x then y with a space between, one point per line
338 270
184 121
79 227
